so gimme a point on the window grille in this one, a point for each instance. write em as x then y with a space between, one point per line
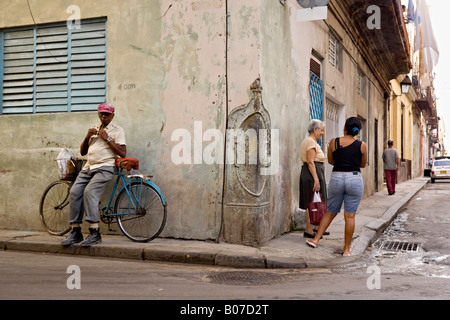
335 50
332 51
361 83
315 98
53 68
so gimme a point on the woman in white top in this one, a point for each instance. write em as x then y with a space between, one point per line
312 177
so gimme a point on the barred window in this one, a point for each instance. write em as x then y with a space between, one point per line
332 51
335 52
361 83
53 68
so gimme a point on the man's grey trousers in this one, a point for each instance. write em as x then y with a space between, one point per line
86 193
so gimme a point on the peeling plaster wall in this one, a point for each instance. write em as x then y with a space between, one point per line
165 70
286 48
192 50
171 66
285 79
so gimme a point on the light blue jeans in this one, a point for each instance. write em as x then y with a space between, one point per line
347 188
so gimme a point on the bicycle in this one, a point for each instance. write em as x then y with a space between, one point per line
140 208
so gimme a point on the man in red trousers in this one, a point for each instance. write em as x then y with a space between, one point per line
391 164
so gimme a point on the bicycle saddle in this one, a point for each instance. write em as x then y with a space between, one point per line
127 163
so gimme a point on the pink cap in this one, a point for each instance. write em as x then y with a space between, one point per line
106 107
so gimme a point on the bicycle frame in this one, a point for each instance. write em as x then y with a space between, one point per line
126 182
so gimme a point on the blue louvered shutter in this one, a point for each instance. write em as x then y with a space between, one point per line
50 68
88 66
18 71
51 83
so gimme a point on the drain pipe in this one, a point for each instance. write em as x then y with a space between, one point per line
227 23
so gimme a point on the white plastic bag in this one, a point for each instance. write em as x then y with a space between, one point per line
64 156
317 197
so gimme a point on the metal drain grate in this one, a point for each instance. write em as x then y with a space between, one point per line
400 246
245 278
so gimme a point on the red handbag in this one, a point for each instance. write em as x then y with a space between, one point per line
316 210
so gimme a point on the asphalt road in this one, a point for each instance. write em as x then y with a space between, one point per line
425 221
35 276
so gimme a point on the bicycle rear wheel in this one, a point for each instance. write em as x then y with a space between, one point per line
142 215
54 208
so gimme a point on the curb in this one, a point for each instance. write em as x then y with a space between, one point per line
204 256
252 258
162 253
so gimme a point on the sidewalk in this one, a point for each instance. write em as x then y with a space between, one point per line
288 251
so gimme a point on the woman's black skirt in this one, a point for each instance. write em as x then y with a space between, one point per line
307 184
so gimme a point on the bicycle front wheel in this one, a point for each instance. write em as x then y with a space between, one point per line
54 208
141 213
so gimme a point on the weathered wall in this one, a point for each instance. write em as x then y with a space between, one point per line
184 66
165 70
339 86
412 134
285 79
192 53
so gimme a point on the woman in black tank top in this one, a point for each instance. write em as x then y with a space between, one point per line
347 155
347 159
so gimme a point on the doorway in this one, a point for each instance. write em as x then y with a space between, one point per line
334 126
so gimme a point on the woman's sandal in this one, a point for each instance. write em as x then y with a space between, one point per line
311 244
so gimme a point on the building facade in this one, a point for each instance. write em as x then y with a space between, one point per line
414 123
185 77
